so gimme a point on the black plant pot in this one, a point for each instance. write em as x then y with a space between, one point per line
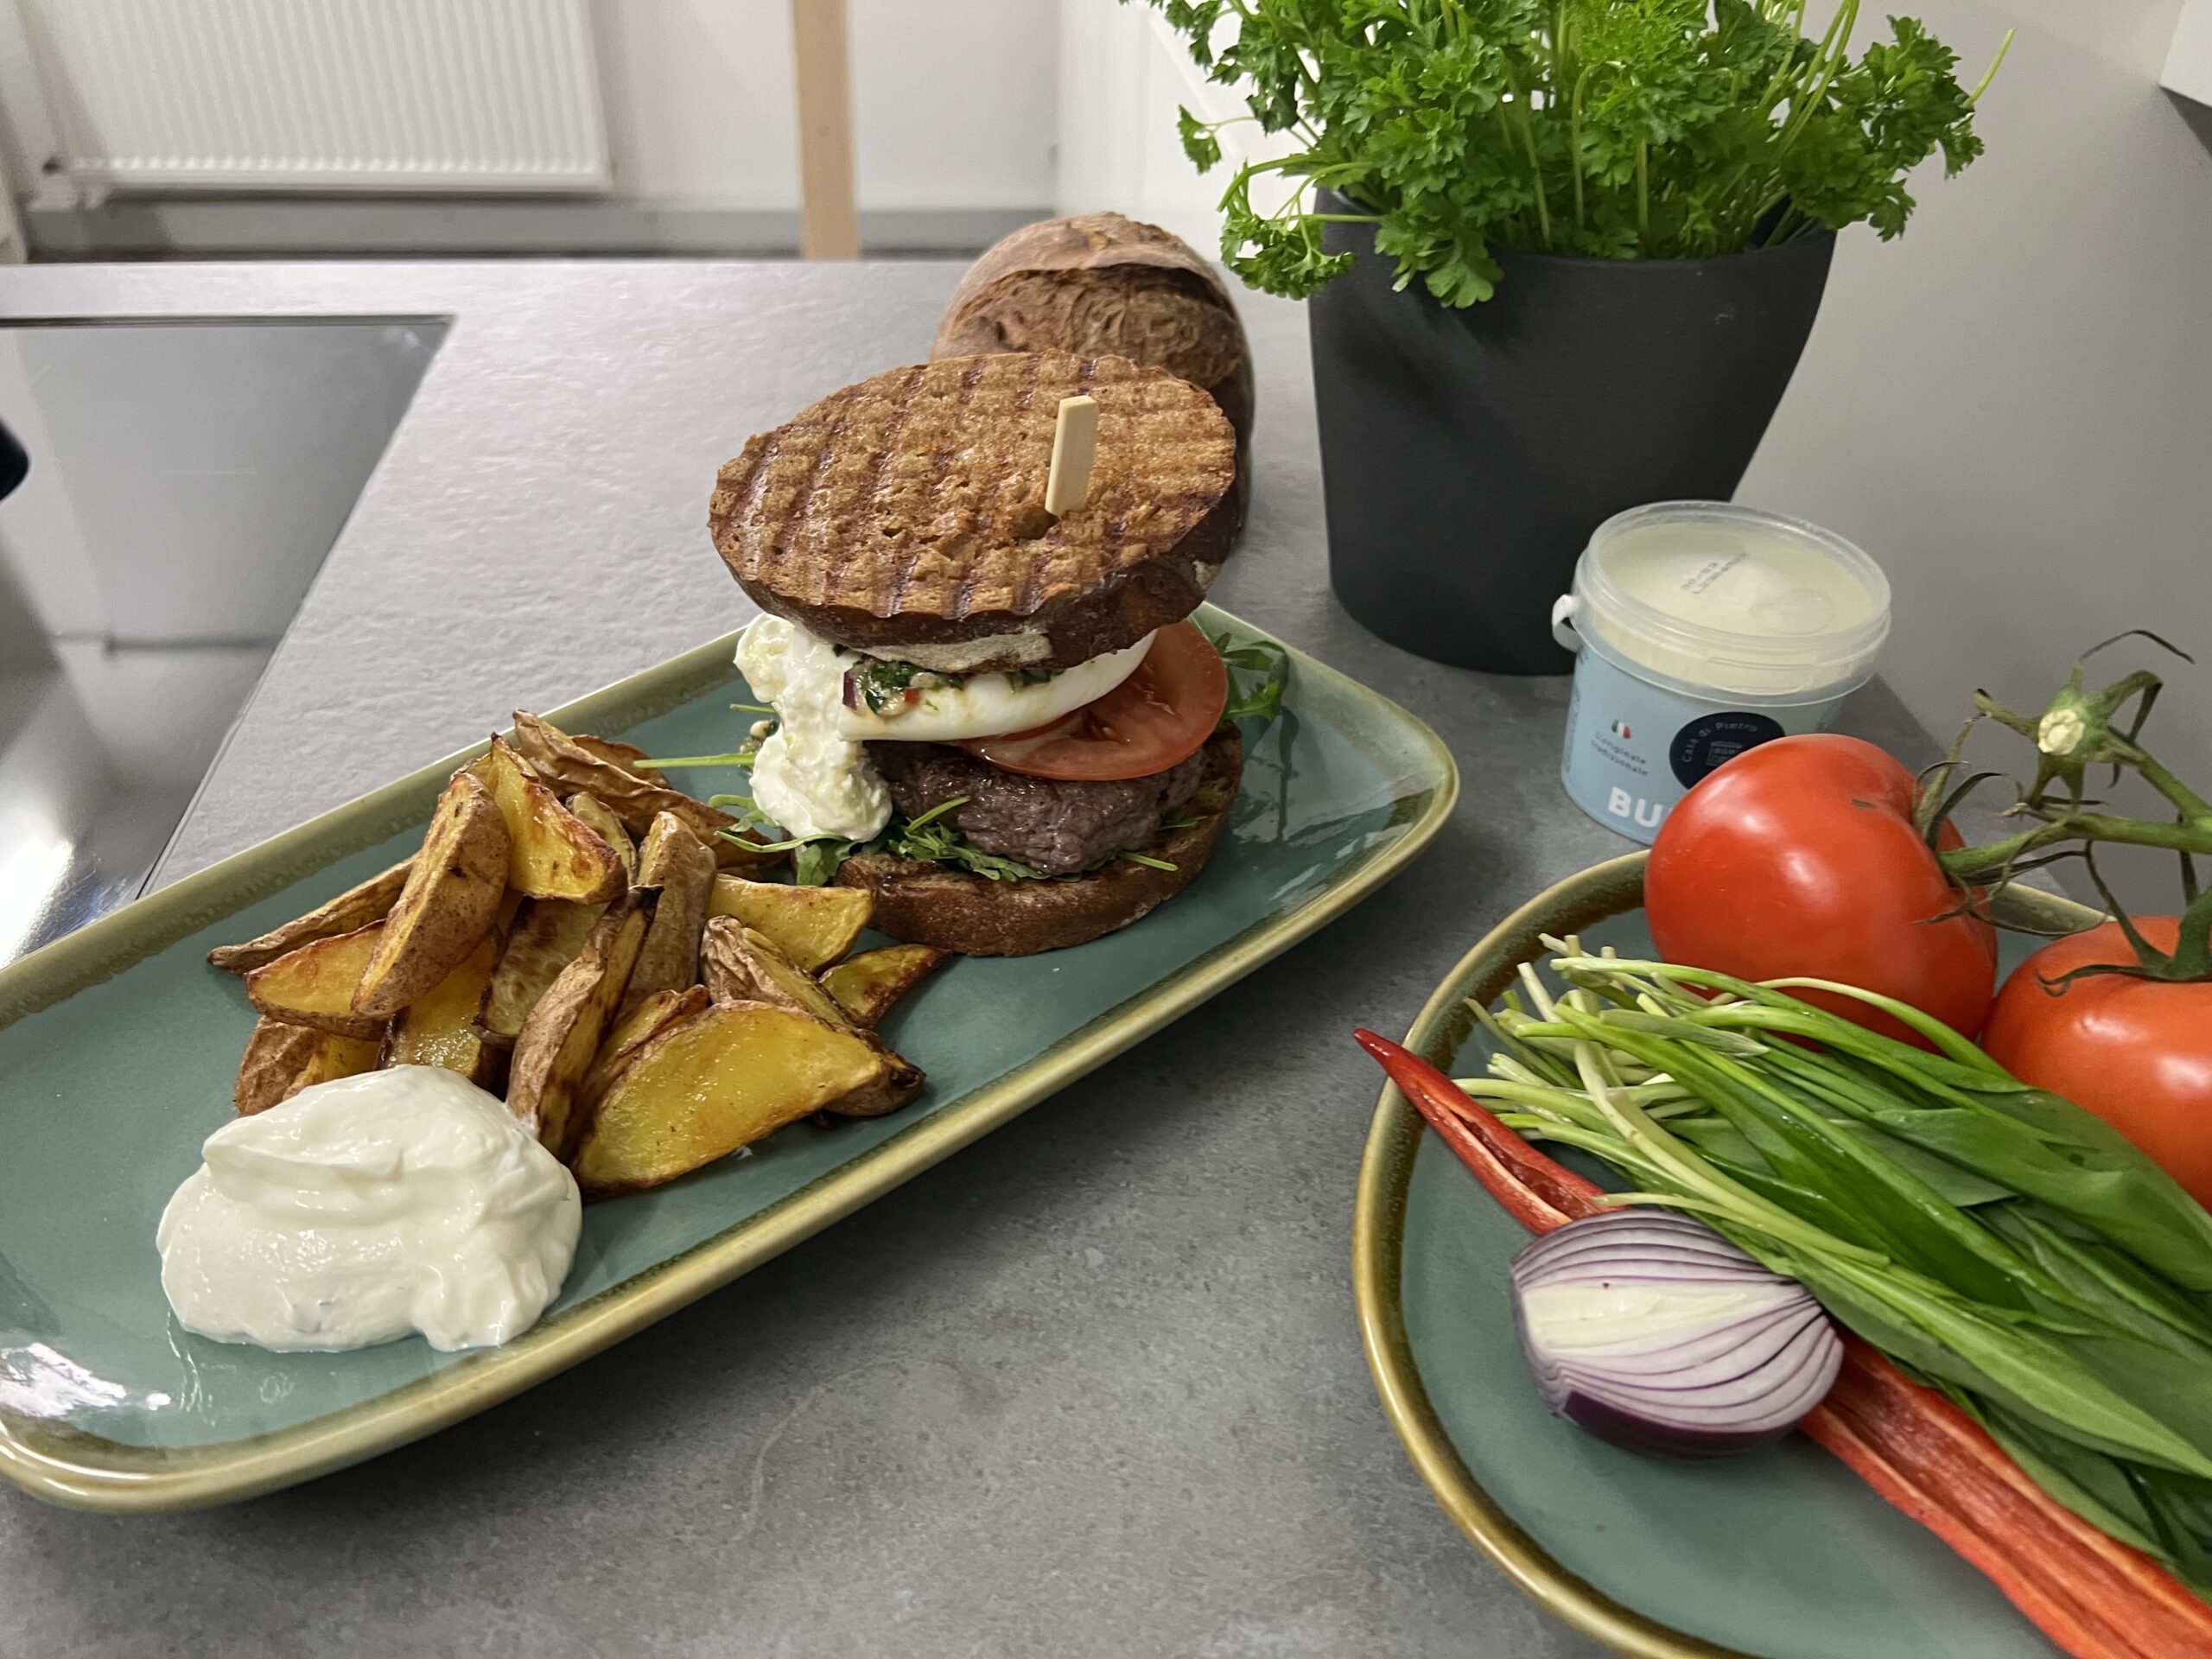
1469 454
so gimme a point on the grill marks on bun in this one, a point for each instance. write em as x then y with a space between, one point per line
908 510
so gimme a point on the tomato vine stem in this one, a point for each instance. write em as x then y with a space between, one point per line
2082 728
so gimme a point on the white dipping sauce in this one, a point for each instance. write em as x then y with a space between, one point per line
367 1208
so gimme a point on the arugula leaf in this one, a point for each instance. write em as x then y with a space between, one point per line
815 863
1617 129
1262 657
934 839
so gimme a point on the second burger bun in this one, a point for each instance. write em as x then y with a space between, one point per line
956 910
904 515
1101 283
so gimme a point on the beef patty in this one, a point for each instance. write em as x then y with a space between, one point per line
1054 825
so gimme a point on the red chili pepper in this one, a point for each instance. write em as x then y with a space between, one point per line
2095 1597
1538 1193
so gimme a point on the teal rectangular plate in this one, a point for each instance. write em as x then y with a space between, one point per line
119 1045
1783 1552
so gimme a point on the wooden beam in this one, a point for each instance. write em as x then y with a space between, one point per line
829 222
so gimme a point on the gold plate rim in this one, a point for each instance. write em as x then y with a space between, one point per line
69 1467
1393 1135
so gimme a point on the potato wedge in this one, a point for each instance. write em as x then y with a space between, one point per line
636 798
553 851
440 1027
867 985
811 925
281 1060
612 751
674 860
702 1087
335 1056
545 938
314 986
449 903
561 1038
275 1055
743 964
631 1030
596 813
354 908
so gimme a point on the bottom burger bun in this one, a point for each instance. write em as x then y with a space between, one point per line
956 910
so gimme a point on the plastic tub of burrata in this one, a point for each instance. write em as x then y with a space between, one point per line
1701 628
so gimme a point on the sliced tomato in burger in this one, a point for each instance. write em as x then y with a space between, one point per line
1160 714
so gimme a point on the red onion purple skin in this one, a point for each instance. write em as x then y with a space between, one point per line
1652 1435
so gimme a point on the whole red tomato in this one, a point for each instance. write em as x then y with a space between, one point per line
2138 1052
1799 856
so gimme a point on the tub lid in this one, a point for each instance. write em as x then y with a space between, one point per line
1711 596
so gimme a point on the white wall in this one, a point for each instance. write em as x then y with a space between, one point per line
2011 406
1124 74
955 102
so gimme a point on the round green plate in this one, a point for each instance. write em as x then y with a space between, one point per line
1783 1554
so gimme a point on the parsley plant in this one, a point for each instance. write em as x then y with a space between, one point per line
1619 128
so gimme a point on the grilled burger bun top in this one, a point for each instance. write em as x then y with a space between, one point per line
904 516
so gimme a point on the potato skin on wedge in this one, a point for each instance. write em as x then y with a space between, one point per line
352 908
560 1039
450 901
811 925
702 1087
544 937
314 985
674 860
636 797
744 964
281 1060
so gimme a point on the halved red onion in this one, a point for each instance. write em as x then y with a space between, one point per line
1651 1330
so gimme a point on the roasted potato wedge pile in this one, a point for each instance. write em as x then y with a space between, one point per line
573 936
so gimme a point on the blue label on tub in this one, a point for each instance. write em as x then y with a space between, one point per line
1633 748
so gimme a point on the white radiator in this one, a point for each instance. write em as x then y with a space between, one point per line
324 96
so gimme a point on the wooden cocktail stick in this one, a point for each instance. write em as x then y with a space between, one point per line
1075 448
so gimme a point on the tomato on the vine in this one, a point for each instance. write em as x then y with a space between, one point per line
1800 857
2136 1052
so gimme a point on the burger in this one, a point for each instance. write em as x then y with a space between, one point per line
999 722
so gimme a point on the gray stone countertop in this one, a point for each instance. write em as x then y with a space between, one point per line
1093 1386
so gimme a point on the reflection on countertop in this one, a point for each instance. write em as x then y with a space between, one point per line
187 480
